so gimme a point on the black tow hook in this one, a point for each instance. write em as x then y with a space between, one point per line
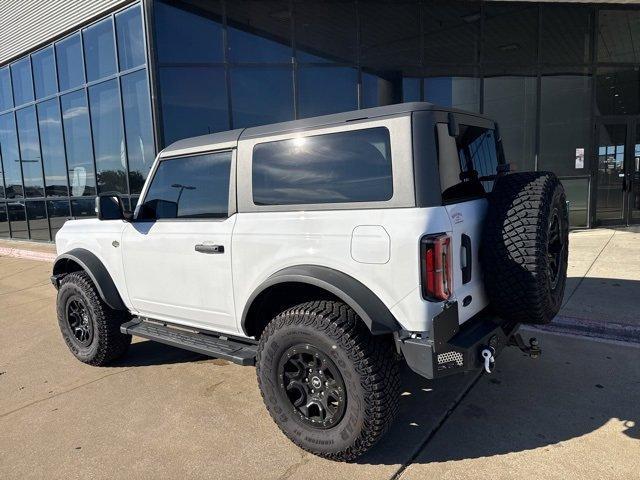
533 349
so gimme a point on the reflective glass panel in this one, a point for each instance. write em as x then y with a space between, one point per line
352 166
577 191
511 101
30 152
634 173
259 31
130 38
390 34
77 139
261 95
38 222
370 90
138 127
203 43
325 31
108 137
411 89
83 207
457 92
99 50
565 114
18 219
194 101
22 81
44 72
451 32
619 36
325 90
510 33
617 91
189 187
10 156
380 90
612 140
565 35
248 47
69 61
52 142
58 211
6 95
4 220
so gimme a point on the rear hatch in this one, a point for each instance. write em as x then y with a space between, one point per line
467 163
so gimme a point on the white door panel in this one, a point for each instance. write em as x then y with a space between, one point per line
168 279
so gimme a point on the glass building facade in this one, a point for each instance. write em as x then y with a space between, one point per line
75 120
87 113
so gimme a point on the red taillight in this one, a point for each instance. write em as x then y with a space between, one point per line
436 267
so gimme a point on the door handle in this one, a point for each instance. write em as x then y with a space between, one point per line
205 248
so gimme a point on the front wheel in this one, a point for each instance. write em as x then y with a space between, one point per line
329 385
89 327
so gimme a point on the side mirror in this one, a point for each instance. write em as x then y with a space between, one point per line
109 207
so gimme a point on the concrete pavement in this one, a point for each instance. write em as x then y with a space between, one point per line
573 413
163 412
602 297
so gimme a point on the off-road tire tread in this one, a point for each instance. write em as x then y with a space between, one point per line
112 343
514 243
373 358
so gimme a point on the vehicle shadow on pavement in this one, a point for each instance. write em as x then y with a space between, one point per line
146 353
572 391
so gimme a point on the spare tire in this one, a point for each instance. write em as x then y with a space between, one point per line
525 247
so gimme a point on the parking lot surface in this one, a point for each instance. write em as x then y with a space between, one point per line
162 412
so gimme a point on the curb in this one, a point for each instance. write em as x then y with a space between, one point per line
27 254
589 328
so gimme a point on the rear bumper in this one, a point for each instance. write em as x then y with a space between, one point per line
449 348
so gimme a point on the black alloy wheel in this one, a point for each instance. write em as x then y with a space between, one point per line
330 385
89 327
313 385
79 322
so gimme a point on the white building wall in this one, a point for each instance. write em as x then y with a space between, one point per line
25 24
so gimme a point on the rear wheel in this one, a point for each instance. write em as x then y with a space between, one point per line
329 385
525 247
90 328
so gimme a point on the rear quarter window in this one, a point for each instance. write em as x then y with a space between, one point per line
467 163
342 167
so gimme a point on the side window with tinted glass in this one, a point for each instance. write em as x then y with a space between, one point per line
352 166
196 186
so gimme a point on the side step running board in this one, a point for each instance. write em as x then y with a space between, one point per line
217 346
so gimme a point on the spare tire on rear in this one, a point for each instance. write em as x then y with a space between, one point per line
525 247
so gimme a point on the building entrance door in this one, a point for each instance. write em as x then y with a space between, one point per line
618 171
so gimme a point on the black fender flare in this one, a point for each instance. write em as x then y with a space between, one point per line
354 293
96 270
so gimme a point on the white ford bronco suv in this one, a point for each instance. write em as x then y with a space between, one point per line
324 251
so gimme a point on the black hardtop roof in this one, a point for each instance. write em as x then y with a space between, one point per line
304 124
